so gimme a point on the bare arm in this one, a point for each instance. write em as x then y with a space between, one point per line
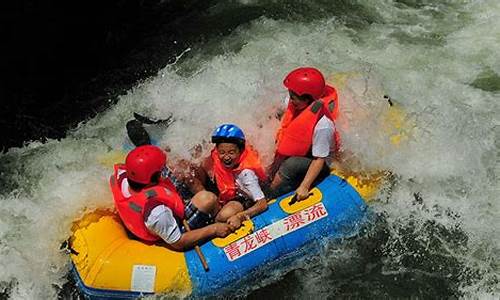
311 175
257 208
197 236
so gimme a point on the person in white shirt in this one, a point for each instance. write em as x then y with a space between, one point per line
234 173
306 140
150 207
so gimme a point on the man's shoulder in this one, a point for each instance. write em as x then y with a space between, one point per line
160 212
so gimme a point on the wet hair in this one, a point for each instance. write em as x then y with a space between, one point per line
136 186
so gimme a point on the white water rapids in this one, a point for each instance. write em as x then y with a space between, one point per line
440 62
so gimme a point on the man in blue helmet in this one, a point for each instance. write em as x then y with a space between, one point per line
234 172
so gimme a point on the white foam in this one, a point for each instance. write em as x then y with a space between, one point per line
449 157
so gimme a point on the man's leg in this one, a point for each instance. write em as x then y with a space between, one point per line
290 174
229 210
201 210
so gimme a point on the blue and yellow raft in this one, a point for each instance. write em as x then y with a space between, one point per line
107 263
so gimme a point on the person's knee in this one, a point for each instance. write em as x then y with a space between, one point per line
205 201
229 210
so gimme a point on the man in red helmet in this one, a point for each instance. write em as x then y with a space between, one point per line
307 139
151 208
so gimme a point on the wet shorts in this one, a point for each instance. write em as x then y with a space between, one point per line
196 218
292 171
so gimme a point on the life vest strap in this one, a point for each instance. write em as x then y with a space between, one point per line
150 194
134 206
316 106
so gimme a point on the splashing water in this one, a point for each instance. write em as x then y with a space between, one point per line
438 235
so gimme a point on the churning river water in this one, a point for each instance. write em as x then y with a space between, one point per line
438 234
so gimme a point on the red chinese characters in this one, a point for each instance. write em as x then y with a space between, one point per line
294 221
263 235
275 231
315 212
233 251
249 243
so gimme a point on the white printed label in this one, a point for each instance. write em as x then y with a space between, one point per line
273 231
143 278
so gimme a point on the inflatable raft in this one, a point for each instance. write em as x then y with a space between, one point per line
108 264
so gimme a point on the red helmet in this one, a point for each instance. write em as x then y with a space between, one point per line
143 162
305 81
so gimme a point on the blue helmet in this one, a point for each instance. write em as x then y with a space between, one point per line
229 133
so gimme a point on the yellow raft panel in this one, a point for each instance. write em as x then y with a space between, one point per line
108 262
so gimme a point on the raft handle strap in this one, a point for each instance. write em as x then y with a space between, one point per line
295 199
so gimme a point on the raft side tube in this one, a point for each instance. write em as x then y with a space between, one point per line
278 240
345 215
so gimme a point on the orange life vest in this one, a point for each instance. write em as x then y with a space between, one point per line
225 178
132 209
295 136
